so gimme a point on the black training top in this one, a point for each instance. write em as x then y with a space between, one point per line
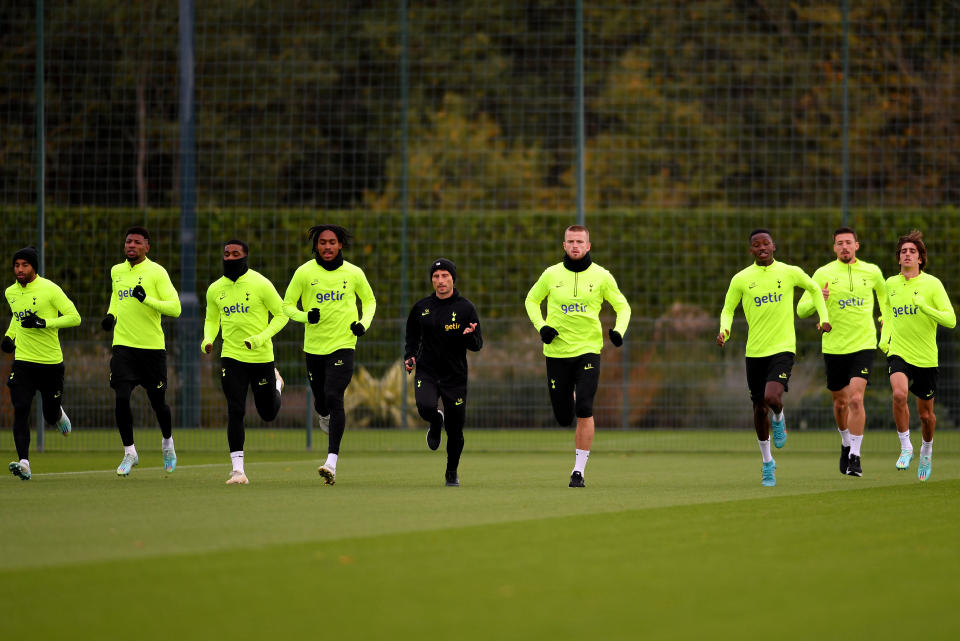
435 336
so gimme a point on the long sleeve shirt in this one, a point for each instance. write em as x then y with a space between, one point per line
435 336
241 309
138 324
49 302
917 306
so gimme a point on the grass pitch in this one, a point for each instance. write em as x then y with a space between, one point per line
658 546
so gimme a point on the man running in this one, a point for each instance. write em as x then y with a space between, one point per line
572 337
849 285
440 330
240 303
918 303
40 309
141 292
765 290
328 289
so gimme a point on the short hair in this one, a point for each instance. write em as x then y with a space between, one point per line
845 230
760 230
582 228
237 241
915 237
342 234
137 229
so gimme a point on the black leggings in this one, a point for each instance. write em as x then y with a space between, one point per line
427 392
26 379
158 402
580 374
329 376
236 377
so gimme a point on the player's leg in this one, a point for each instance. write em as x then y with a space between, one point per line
560 385
586 381
778 376
22 389
899 388
856 420
757 368
266 396
925 389
339 371
455 414
426 393
234 381
154 381
837 382
123 380
317 374
50 385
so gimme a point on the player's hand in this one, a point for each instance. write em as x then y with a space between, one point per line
108 323
7 345
884 345
206 346
824 327
32 321
722 337
253 342
357 329
919 300
826 291
313 316
139 293
469 329
616 338
409 364
547 334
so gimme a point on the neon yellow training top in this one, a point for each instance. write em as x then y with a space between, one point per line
47 300
241 309
849 303
573 308
138 324
917 306
766 294
335 293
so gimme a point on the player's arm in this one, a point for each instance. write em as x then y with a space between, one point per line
211 322
368 303
730 302
880 289
10 337
69 316
114 299
534 297
805 306
167 300
613 295
816 295
274 304
412 337
292 296
471 334
938 307
886 322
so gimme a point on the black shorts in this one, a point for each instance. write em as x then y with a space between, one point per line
843 367
922 380
27 378
146 367
776 367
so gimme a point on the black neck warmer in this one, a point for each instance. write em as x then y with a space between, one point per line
577 265
333 264
234 269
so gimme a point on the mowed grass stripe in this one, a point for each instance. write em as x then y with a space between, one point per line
780 567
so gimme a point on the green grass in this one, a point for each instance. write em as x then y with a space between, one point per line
658 546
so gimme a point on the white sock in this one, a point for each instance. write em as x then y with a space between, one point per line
905 441
581 465
778 417
332 461
855 442
24 461
844 437
237 459
166 443
765 450
130 449
926 448
279 386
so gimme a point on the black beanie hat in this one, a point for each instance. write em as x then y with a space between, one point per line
444 263
30 255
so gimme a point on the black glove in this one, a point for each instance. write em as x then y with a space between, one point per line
616 338
7 345
32 321
313 316
108 323
357 329
139 293
548 333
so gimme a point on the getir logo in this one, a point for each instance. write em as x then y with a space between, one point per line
850 302
323 297
125 293
236 308
905 310
767 298
575 307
